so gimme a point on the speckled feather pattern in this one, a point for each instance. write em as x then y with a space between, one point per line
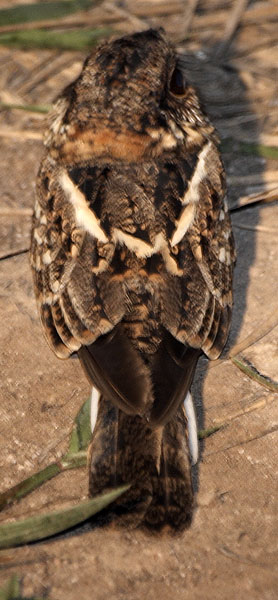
132 255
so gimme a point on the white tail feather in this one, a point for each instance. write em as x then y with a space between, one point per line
192 428
94 407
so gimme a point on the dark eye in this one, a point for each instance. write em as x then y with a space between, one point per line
177 83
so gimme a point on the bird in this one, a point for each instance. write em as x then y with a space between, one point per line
132 254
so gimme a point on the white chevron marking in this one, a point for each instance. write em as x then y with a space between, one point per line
186 219
84 216
201 170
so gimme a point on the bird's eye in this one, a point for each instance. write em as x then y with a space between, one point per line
177 83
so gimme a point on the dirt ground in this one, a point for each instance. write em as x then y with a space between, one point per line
230 551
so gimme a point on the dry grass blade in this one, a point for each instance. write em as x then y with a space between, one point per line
261 330
44 526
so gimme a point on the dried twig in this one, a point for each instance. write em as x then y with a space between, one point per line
44 71
16 212
232 24
255 15
13 253
243 442
145 8
259 45
189 15
261 330
254 179
269 140
257 228
239 120
230 554
21 133
119 13
258 404
265 196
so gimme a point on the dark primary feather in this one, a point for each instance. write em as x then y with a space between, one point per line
132 252
120 374
172 375
118 371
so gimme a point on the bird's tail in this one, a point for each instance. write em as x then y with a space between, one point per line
155 461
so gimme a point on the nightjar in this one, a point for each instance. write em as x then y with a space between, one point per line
132 255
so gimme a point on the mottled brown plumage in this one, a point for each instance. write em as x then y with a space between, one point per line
132 254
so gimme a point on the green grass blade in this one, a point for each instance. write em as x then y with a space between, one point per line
42 11
11 589
259 150
233 145
44 526
58 40
37 108
204 433
73 461
75 458
252 372
26 486
81 433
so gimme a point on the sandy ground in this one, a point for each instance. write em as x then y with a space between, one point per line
230 550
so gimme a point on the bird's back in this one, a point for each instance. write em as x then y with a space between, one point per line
132 255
